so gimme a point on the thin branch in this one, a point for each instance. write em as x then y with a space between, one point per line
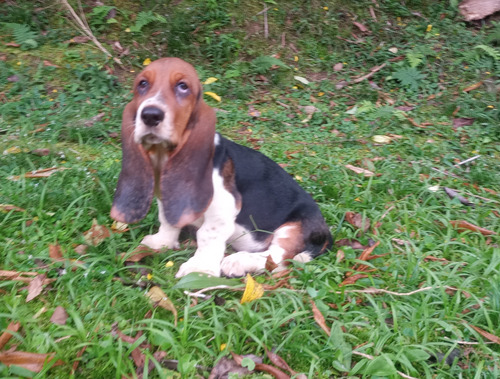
467 161
81 25
370 74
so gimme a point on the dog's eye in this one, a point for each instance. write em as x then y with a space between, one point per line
182 88
143 85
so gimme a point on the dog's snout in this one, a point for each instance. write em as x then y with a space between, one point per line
152 116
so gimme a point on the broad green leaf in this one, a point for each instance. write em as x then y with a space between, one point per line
197 280
380 366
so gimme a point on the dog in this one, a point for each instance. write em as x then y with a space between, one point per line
234 195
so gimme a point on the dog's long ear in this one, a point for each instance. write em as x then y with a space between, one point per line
134 191
186 180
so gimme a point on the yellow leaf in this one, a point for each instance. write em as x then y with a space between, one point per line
12 150
149 276
119 227
429 28
213 95
253 291
146 61
222 346
381 139
210 80
296 58
169 264
156 295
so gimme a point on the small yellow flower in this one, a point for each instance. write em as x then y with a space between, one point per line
127 30
51 99
54 90
146 61
429 28
19 63
222 346
295 87
169 264
149 276
466 67
325 8
296 58
321 94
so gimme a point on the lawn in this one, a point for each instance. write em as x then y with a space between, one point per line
386 112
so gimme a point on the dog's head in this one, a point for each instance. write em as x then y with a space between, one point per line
167 145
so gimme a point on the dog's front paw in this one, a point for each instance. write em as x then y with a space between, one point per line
158 241
198 265
238 264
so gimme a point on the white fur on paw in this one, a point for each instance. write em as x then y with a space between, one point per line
198 265
157 241
238 264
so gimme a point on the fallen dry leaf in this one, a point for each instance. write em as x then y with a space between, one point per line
49 64
10 207
320 319
119 227
96 234
352 279
55 252
278 374
7 334
25 277
356 245
227 366
473 87
361 27
463 225
40 152
485 334
462 121
279 362
159 297
31 361
138 254
359 170
253 290
59 316
338 66
78 39
35 287
357 220
43 173
367 252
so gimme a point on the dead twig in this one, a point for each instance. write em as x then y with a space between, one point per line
84 28
370 74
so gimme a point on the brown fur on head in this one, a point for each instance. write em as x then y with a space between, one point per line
167 145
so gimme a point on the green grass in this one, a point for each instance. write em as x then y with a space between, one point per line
53 108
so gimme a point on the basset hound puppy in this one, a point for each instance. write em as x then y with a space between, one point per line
232 194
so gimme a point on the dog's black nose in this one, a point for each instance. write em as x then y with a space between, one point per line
152 116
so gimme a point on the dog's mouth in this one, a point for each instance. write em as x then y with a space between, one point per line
152 140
